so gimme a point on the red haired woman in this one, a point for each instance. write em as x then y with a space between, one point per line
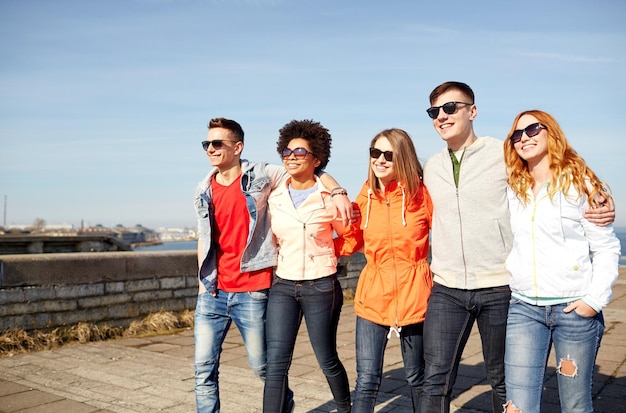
562 266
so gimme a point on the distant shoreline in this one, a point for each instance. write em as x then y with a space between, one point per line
145 244
178 245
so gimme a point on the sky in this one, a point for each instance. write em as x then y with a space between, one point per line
103 104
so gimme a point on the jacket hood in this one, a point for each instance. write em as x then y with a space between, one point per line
389 189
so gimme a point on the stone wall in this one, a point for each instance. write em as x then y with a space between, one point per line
40 291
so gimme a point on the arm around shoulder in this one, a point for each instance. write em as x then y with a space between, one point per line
604 214
351 240
339 197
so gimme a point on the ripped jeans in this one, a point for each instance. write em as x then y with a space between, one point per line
531 331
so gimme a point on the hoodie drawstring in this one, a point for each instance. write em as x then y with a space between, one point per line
395 330
369 207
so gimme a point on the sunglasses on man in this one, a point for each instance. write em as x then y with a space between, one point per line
449 108
216 143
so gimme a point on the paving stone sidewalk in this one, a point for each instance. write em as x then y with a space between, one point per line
155 374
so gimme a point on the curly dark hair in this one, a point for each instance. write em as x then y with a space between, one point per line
314 133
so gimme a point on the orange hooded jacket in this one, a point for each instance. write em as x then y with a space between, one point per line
395 284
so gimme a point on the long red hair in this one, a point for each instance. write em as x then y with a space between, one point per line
566 166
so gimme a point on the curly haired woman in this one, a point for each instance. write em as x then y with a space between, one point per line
304 221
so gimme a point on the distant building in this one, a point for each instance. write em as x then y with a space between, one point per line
176 234
133 235
128 235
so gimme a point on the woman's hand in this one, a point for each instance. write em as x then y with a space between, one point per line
582 309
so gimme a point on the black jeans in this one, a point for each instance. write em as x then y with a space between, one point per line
319 301
371 341
449 320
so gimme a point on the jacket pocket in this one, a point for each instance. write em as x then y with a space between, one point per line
258 185
202 205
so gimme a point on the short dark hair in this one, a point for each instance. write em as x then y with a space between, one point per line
446 86
229 124
314 133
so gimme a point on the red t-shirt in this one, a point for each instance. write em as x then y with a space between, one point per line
232 223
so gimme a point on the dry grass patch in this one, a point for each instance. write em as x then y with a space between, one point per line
20 341
154 323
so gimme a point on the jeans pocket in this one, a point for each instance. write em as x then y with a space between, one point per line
324 285
203 304
260 295
586 317
504 289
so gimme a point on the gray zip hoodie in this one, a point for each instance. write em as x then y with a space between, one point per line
471 231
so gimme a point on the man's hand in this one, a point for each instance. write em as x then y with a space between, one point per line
341 201
343 204
603 215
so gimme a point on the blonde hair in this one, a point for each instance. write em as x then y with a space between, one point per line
406 165
566 166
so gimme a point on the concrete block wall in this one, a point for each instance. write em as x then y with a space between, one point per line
349 269
40 291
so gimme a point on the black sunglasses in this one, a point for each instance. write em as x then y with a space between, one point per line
448 108
375 154
299 153
531 130
217 144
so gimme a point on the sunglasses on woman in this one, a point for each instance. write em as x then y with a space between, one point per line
530 130
375 154
299 153
217 144
448 108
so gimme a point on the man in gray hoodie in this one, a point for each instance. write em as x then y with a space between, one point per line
471 238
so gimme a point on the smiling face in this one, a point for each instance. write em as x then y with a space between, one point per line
382 168
531 149
228 154
455 128
301 170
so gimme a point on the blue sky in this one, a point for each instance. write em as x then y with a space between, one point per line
103 104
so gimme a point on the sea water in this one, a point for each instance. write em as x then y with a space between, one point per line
171 246
193 245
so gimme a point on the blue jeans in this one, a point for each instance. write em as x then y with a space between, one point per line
450 317
319 302
531 331
371 340
212 320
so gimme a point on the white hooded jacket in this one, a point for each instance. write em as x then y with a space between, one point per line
557 253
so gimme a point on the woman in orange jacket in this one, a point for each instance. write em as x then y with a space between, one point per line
395 284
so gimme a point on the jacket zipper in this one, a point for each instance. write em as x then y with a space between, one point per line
458 208
534 245
393 260
303 249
